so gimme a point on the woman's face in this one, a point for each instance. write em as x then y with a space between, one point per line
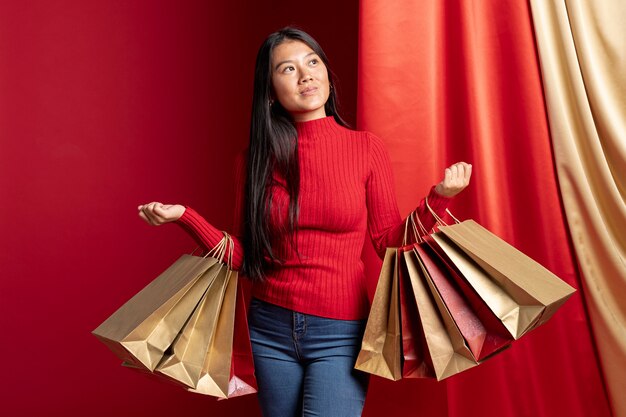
300 80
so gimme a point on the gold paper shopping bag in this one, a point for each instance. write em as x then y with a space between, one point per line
186 360
215 374
381 348
142 329
445 345
522 292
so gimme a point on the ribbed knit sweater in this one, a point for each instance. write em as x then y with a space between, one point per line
346 188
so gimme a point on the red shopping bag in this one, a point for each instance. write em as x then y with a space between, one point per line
484 334
415 357
242 378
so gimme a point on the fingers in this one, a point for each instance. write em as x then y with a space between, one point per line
148 212
144 217
460 174
159 211
156 213
456 178
468 173
455 172
169 212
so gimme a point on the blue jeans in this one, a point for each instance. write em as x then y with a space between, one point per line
305 364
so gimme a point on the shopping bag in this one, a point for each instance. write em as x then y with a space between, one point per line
186 361
142 329
242 377
446 347
496 297
381 347
232 376
415 356
215 373
483 333
522 293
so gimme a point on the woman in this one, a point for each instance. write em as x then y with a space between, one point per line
312 189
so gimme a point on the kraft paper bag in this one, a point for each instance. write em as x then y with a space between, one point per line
381 348
449 354
520 291
215 375
142 329
186 360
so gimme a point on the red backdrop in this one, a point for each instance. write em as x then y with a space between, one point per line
105 105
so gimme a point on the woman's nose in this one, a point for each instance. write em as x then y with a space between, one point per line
306 76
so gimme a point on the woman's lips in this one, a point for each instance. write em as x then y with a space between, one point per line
308 91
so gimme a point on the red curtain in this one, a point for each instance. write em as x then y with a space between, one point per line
459 81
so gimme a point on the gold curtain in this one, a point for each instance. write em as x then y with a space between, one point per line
582 50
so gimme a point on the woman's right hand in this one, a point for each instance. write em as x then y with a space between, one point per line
157 214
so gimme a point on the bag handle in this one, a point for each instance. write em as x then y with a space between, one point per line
219 251
406 230
413 217
422 228
438 219
417 236
416 233
231 249
201 252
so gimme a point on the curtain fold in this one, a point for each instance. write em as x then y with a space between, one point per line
447 81
582 51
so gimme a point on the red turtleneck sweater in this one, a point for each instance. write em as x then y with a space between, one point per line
346 188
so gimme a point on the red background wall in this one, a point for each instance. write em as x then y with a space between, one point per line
105 105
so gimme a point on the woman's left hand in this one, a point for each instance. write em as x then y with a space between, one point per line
456 178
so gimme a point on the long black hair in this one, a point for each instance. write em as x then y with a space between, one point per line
273 148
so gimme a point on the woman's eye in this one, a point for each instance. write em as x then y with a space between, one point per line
314 61
288 69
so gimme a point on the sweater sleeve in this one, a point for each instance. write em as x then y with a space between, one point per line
386 227
207 235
